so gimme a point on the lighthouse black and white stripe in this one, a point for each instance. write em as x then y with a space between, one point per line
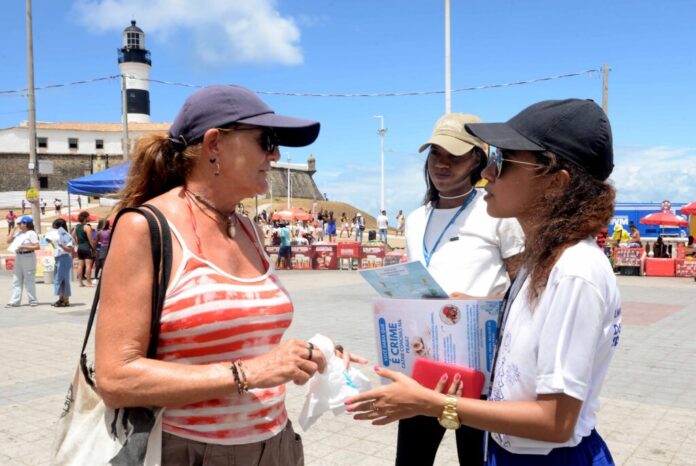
134 63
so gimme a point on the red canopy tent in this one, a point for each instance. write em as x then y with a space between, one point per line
73 216
665 218
689 208
291 214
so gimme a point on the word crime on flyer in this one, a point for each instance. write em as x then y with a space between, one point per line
451 331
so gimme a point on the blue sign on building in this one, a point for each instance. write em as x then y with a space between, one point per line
630 213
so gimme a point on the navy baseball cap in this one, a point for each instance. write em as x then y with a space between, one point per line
576 130
222 105
25 219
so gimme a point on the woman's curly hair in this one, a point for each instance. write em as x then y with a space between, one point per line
566 217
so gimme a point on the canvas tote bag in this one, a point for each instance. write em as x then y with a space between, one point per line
88 432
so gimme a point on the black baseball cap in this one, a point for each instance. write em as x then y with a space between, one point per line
576 130
218 106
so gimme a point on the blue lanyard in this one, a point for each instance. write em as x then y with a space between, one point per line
428 255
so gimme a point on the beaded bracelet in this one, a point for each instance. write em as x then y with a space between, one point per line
237 380
245 382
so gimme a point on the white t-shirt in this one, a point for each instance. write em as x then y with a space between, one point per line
564 344
60 238
382 222
21 239
469 258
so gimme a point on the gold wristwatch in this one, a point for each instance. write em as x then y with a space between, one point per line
449 419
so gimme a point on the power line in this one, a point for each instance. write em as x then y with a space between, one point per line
54 86
319 94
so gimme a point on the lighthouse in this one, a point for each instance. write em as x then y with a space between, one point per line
134 63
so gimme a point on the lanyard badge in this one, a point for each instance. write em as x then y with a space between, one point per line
427 255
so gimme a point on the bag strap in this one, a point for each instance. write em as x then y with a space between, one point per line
161 248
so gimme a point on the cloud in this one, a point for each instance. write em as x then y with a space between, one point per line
359 185
645 174
219 31
642 174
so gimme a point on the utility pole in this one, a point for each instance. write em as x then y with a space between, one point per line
125 145
448 74
33 163
381 132
605 89
289 190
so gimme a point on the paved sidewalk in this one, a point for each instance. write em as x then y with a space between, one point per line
648 415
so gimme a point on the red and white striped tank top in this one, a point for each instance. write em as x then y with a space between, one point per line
210 316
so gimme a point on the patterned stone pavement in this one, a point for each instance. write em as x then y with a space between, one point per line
648 415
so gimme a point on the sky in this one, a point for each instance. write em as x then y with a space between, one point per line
387 46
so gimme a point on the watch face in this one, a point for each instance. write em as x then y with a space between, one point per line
448 423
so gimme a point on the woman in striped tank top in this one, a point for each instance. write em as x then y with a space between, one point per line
221 367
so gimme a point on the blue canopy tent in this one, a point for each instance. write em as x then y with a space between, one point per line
103 182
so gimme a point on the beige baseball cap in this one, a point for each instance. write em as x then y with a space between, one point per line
450 134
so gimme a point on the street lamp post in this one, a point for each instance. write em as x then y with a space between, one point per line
289 190
381 132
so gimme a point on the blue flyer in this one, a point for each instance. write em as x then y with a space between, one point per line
404 281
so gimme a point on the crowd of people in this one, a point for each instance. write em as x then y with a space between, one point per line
323 227
528 238
88 244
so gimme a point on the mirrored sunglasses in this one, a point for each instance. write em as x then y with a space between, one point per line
497 157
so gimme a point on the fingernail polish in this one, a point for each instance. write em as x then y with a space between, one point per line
376 368
444 377
457 377
347 402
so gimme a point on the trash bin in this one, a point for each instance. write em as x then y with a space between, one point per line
48 277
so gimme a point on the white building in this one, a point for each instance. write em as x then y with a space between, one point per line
74 137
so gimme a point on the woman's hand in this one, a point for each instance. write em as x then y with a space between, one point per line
349 357
401 399
288 362
455 388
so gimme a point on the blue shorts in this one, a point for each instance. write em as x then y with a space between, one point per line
284 251
591 451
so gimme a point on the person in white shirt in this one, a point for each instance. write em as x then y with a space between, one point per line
24 242
561 320
63 245
382 226
468 252
359 227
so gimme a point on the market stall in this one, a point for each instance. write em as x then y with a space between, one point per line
325 256
348 254
629 261
372 256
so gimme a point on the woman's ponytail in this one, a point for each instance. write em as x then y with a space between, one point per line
157 166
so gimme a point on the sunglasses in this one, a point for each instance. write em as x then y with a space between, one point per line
497 158
268 140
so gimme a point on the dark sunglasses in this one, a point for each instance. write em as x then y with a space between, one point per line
497 158
268 140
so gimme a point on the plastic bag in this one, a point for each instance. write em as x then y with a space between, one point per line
329 391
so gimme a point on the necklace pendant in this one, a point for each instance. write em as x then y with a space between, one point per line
231 230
